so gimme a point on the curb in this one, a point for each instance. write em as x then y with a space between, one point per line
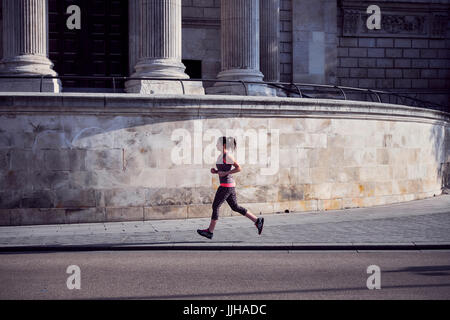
232 247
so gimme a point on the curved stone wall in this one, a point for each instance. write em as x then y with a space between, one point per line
69 158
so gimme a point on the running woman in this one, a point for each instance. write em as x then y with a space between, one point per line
226 190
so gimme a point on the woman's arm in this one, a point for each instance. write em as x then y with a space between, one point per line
237 167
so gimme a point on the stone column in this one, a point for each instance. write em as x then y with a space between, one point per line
133 35
240 48
270 39
25 46
158 29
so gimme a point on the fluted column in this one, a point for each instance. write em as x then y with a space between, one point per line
133 34
25 46
157 24
240 48
270 37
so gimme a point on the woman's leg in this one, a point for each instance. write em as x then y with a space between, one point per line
232 202
251 216
212 225
221 195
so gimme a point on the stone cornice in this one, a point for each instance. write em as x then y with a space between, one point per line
209 106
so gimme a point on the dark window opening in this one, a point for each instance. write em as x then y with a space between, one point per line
193 68
99 48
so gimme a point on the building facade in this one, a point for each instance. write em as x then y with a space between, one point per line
94 125
301 41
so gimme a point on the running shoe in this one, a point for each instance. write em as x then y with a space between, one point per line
259 224
205 233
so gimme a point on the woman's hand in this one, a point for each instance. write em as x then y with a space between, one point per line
214 170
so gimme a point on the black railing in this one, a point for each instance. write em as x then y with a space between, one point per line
289 89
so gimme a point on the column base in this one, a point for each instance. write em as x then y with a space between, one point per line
30 85
28 65
223 88
164 87
233 88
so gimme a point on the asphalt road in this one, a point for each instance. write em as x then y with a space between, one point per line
225 275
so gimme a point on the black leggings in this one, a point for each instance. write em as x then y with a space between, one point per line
228 194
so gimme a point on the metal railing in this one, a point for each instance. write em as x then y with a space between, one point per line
289 89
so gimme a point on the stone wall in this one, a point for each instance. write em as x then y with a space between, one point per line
411 52
67 158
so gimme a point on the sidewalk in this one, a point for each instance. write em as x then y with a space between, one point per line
421 224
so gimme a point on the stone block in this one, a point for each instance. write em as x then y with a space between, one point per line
383 156
124 214
295 206
332 204
428 53
257 208
399 187
383 188
319 191
10 199
402 83
292 140
28 216
393 73
26 160
366 42
357 52
165 212
290 192
411 53
15 180
111 159
48 139
375 53
367 63
5 217
385 42
402 43
70 198
85 215
402 63
158 87
420 43
45 179
119 197
385 63
204 211
342 190
419 63
348 42
315 140
375 73
73 160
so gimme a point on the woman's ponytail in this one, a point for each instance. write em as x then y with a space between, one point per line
231 143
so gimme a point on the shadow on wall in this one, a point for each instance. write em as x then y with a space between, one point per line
44 160
94 161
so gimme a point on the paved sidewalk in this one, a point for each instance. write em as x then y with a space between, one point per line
417 224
